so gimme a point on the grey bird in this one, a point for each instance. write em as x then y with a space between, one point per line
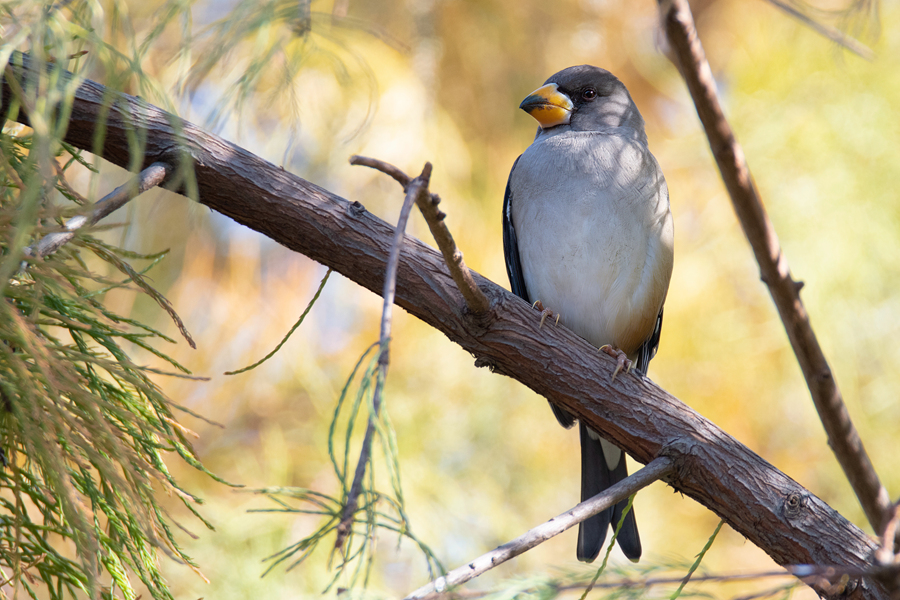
587 233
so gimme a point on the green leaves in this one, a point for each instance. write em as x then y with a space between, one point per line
83 430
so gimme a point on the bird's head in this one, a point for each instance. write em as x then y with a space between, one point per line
583 98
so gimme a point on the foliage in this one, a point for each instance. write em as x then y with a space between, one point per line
85 432
377 510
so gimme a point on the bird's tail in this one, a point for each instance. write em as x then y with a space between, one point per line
596 476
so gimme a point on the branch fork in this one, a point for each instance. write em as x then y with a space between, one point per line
476 301
152 176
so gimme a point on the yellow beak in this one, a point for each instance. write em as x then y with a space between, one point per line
548 106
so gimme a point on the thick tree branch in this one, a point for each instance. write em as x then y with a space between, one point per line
842 435
774 512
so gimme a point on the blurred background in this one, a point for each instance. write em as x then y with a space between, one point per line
481 458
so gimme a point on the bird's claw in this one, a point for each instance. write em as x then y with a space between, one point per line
622 361
545 312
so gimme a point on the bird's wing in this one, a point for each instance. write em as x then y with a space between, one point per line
511 245
648 348
517 279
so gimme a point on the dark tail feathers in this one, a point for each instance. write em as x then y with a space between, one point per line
596 476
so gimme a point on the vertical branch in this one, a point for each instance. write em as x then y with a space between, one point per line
415 189
842 435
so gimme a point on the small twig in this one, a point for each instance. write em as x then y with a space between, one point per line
800 572
414 190
476 301
644 583
289 333
386 168
656 469
885 555
832 33
150 177
842 435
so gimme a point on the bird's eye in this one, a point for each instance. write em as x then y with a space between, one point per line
589 94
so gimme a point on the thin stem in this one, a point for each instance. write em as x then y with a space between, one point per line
416 188
657 469
150 177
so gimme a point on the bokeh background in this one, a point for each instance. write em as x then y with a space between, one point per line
481 458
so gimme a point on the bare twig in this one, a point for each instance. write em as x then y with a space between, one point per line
835 35
798 572
150 177
842 435
475 299
832 33
415 189
642 583
386 168
656 469
885 555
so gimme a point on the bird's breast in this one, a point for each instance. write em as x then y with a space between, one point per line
591 215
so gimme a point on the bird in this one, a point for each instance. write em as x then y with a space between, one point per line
588 234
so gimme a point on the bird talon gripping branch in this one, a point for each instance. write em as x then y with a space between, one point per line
586 192
622 360
545 312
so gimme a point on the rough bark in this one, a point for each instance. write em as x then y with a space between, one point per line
770 509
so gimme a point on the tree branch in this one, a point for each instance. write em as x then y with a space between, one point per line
657 469
842 435
428 205
150 177
770 509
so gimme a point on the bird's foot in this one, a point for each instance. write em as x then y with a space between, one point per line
622 361
545 312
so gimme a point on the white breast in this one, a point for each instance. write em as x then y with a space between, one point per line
595 236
